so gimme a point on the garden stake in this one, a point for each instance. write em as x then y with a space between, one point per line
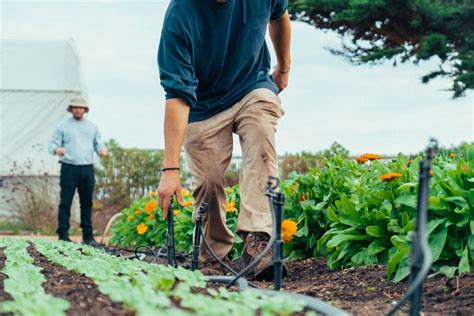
420 251
170 241
197 236
277 200
421 259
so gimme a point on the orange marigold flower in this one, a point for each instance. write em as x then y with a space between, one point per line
303 197
185 192
452 155
361 159
142 228
150 206
371 156
130 218
288 229
153 193
176 212
152 217
138 212
390 176
230 206
188 203
465 169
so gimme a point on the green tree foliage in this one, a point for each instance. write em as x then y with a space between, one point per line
400 31
127 174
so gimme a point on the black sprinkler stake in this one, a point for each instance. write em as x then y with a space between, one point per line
197 236
170 240
277 201
421 258
419 234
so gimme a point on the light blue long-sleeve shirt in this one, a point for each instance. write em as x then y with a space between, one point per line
79 139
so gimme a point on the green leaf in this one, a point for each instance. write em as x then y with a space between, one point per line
464 262
408 200
437 242
375 247
321 206
403 270
408 227
448 271
406 186
307 205
405 219
338 239
375 231
400 242
332 215
393 226
470 197
305 228
432 224
436 203
395 260
379 216
363 258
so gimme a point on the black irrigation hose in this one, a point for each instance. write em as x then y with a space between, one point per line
223 263
312 303
262 254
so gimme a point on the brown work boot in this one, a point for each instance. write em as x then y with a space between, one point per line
254 243
215 268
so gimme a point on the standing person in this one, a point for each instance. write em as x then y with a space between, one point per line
75 140
215 69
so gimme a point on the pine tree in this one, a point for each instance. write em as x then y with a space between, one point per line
400 31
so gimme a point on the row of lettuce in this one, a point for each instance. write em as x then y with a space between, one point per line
353 212
146 289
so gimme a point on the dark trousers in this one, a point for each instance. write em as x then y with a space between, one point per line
81 178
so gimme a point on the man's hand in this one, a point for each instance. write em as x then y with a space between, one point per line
103 152
170 184
59 151
281 79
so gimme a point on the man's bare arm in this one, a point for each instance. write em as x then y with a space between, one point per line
176 122
280 33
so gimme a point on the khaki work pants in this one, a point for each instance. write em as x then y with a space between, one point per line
208 147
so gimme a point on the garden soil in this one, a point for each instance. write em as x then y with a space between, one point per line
360 290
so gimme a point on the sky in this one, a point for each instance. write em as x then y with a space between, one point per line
381 109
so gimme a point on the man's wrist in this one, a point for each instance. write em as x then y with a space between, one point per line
282 69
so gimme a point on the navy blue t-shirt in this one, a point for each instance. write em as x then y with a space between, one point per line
212 54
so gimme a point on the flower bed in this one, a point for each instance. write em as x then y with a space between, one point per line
354 212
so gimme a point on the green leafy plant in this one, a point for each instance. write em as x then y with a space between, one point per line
149 289
360 213
24 283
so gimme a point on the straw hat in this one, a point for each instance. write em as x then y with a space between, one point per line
78 101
